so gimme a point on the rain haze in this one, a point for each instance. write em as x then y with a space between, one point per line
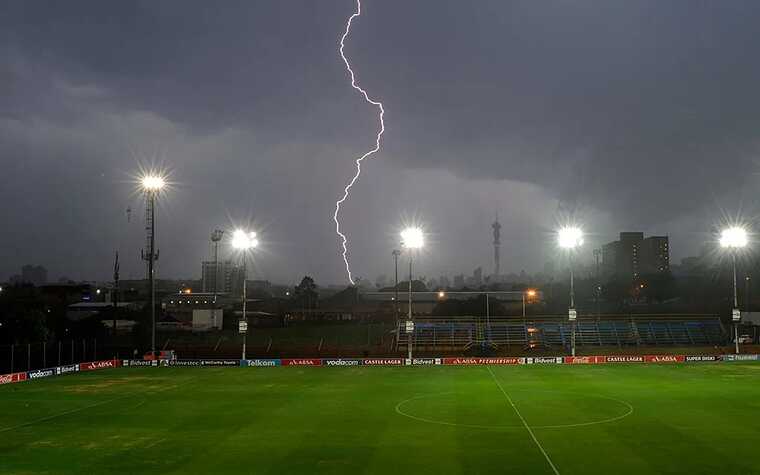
623 115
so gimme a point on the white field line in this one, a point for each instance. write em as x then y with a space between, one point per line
527 427
401 404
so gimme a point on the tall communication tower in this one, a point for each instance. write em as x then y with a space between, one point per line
496 245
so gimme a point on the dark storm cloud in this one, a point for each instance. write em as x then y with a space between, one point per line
643 112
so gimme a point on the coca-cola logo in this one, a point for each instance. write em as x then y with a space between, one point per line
6 378
580 359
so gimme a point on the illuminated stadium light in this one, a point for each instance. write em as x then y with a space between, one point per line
412 238
441 294
733 238
152 182
570 237
244 240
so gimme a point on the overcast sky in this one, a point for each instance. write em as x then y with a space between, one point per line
636 115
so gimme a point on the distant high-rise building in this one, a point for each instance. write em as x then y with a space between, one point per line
459 281
35 275
496 245
655 255
221 277
633 256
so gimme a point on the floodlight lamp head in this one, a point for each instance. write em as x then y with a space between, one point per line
733 238
244 240
412 238
570 237
153 183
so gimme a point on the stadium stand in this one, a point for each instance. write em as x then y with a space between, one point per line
462 333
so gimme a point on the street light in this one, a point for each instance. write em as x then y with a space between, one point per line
152 184
412 239
570 238
529 293
734 239
244 241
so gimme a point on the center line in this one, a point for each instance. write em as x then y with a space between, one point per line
527 427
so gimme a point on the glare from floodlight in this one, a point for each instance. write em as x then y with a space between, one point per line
243 240
412 238
733 238
153 182
441 294
570 237
531 292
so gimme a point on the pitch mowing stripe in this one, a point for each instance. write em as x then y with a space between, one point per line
90 406
527 427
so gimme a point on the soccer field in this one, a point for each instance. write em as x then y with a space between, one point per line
623 419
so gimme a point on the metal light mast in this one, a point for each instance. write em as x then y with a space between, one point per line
152 185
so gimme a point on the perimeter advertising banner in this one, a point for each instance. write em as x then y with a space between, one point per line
621 359
701 358
259 363
139 363
664 358
482 361
583 359
40 373
93 365
341 362
72 368
203 362
302 362
741 357
12 378
544 360
382 362
423 361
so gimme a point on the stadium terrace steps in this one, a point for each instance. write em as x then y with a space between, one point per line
461 333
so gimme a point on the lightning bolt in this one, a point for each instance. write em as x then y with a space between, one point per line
359 160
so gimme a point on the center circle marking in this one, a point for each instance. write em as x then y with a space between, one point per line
627 405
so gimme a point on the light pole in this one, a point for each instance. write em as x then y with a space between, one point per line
152 185
530 293
570 238
244 241
396 253
411 239
216 236
734 239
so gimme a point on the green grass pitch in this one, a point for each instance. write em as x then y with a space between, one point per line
606 419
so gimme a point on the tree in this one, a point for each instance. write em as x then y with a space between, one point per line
305 293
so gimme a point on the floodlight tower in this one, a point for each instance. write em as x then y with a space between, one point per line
151 185
570 238
396 253
216 236
734 239
244 241
411 239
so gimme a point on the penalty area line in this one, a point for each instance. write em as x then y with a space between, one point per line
524 422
